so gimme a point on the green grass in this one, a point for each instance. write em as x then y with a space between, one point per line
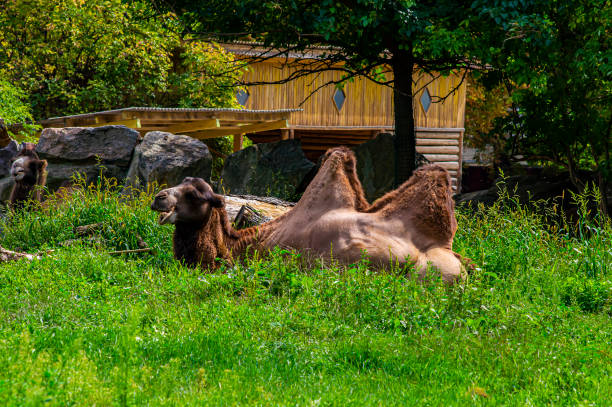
531 326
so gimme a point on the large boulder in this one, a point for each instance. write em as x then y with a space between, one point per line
376 165
88 151
270 169
167 158
6 154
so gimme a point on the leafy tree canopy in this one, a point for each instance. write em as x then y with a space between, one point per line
561 51
75 56
384 40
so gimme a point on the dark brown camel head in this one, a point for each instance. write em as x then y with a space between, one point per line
190 202
26 167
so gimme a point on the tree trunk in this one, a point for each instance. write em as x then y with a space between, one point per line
405 135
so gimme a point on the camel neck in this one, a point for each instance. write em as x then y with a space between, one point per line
203 243
236 241
22 191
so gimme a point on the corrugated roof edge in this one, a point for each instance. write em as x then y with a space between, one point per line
175 109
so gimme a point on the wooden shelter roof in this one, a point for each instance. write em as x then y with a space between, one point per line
200 123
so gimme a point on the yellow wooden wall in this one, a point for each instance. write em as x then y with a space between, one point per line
367 104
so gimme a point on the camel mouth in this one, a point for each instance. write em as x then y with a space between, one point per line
166 217
19 175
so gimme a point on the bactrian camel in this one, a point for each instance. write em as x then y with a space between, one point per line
414 223
29 173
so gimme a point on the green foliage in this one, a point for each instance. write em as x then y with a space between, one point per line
379 39
485 111
123 221
559 53
530 326
13 109
94 55
589 295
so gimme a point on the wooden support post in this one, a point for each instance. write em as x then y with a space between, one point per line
291 134
284 134
238 142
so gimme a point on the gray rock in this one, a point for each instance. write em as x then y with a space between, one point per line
376 165
58 173
6 154
111 144
167 159
6 181
6 186
270 169
89 151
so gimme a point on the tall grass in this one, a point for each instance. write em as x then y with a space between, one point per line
531 325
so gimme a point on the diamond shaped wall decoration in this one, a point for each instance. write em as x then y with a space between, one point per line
426 100
339 98
242 96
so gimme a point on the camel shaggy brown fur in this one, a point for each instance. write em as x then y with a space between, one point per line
30 175
412 224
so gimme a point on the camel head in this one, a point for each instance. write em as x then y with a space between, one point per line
26 167
190 202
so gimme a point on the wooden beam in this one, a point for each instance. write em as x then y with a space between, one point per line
238 116
437 149
251 128
254 128
238 142
436 142
131 123
214 133
442 157
442 135
192 126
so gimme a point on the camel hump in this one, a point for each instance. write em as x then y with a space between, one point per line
426 202
336 184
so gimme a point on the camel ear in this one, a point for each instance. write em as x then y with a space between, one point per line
216 201
210 197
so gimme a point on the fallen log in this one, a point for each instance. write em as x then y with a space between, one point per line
9 255
248 210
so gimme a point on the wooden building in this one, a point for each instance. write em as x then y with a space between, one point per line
329 117
357 113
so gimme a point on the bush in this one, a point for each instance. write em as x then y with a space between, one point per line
96 55
13 109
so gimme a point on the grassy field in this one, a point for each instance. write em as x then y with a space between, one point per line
531 326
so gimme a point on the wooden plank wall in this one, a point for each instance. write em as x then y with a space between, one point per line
442 148
367 103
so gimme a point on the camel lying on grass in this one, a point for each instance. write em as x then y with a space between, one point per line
412 224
